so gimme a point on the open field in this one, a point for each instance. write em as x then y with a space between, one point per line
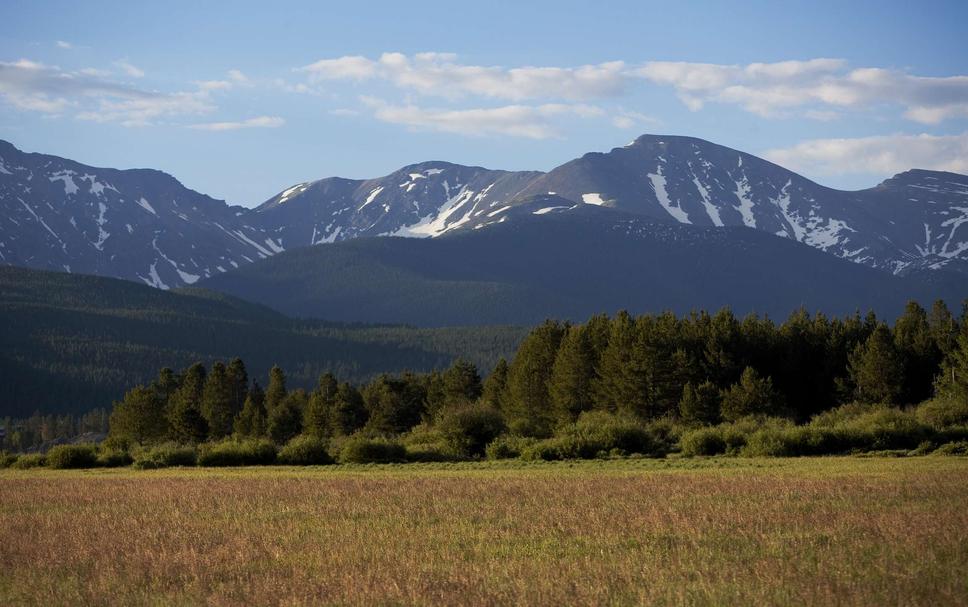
847 531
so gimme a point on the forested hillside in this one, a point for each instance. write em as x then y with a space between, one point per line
71 343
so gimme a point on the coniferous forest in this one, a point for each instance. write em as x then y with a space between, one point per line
649 385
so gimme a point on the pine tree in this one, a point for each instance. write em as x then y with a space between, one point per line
572 375
253 420
918 351
952 382
217 405
185 420
285 420
528 403
139 417
276 391
461 382
876 369
349 411
619 383
166 384
394 405
317 418
751 395
239 381
700 405
495 386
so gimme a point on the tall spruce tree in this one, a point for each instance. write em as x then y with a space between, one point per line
218 402
876 369
276 390
349 411
253 420
952 381
285 420
918 351
620 383
461 382
495 386
528 405
185 420
573 375
239 381
317 418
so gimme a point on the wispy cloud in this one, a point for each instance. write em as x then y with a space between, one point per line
441 75
531 122
89 95
817 85
64 45
885 154
129 69
269 122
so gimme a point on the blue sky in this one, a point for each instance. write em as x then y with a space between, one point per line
240 100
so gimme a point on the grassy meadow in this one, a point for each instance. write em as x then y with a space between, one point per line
815 531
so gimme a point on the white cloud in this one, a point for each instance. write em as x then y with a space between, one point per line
882 155
129 69
514 120
269 122
816 85
625 119
440 75
32 86
64 45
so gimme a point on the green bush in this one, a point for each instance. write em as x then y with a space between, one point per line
305 450
469 429
883 428
426 443
7 459
164 456
704 441
942 413
72 456
363 450
595 434
253 452
953 448
30 460
113 458
508 446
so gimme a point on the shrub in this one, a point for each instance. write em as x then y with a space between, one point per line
7 459
252 452
468 429
363 450
883 428
72 456
508 446
164 456
595 434
113 458
305 450
704 441
31 460
942 413
953 448
426 443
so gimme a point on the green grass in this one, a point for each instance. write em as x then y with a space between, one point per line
710 531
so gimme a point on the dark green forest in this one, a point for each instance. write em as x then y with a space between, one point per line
649 384
72 343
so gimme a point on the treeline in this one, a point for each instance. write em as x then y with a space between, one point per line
652 384
37 431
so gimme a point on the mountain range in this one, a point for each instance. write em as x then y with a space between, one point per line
661 202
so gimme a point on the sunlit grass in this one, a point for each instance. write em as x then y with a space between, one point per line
870 531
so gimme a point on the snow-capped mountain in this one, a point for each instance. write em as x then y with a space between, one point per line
143 225
138 224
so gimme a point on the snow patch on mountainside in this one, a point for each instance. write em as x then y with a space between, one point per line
659 185
591 198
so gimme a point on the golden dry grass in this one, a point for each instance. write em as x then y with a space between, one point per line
812 531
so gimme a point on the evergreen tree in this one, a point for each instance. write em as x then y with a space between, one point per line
166 384
952 382
317 418
394 405
461 382
528 404
349 411
572 375
285 420
944 327
876 369
495 386
239 381
253 419
218 407
140 417
620 383
700 405
918 351
276 391
751 395
185 420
